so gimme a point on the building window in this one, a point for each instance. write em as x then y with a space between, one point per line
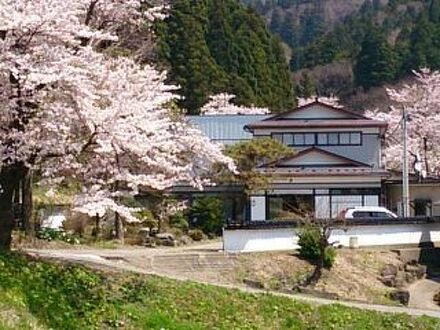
333 138
309 139
288 139
355 138
344 138
320 139
290 207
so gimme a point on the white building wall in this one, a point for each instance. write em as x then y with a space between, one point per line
250 240
258 208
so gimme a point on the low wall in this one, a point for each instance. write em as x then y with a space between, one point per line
253 240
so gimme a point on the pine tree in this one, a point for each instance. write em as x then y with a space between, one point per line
375 63
306 87
424 45
221 46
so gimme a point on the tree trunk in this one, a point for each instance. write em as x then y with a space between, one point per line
9 177
323 244
28 222
97 231
119 228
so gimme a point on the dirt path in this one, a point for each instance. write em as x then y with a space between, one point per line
174 263
422 293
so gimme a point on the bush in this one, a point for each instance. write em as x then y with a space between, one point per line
50 234
329 257
179 221
309 242
207 214
196 235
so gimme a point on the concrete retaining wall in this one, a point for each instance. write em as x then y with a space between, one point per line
253 240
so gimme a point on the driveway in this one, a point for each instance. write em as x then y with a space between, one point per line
184 263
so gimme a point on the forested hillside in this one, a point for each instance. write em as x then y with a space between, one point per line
347 46
222 46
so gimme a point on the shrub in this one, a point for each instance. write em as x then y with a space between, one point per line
196 235
329 257
179 221
49 234
207 214
309 242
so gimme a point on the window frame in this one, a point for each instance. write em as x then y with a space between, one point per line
316 138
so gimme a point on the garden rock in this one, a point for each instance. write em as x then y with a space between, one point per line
389 280
418 271
185 240
166 239
401 296
389 270
253 283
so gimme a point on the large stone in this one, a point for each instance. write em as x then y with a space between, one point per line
410 278
389 280
253 283
185 240
166 239
401 296
400 280
418 271
389 270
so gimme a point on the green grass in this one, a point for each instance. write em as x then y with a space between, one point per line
40 295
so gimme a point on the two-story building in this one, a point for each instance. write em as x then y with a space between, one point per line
337 163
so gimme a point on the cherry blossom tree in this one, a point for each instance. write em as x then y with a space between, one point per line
220 104
421 101
72 112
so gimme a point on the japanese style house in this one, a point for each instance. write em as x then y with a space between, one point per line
337 163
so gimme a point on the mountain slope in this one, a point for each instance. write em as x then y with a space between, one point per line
326 38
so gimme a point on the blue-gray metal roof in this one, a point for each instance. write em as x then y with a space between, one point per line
226 129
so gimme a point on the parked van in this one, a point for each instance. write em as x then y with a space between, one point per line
360 212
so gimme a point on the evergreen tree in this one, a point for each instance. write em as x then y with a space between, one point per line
276 22
289 31
375 62
220 46
194 70
424 45
434 11
305 87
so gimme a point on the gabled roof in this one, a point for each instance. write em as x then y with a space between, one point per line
283 124
351 114
335 160
341 118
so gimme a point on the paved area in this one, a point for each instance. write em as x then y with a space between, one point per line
174 262
422 293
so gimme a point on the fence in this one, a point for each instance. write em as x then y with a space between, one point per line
282 235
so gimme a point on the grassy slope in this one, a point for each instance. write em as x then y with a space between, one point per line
37 295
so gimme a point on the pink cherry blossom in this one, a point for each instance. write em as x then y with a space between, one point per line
73 112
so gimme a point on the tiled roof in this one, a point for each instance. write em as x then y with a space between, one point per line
226 128
340 123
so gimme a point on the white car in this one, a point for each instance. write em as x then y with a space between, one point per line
370 212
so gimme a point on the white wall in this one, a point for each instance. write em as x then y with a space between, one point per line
253 240
317 112
258 208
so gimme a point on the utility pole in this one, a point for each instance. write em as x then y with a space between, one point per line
405 178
